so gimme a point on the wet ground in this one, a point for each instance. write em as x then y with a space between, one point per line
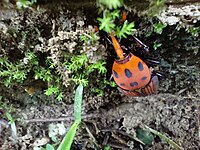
112 118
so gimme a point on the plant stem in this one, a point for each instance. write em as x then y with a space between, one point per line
164 137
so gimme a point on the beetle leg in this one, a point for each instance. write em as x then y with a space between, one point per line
144 47
110 77
152 87
129 93
159 74
151 62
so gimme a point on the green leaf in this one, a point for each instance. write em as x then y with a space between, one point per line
127 29
100 66
76 62
49 147
12 124
83 38
43 74
165 138
60 96
51 90
156 45
54 138
158 27
24 3
107 22
79 79
112 84
107 147
68 139
8 115
98 91
195 31
32 58
148 34
8 81
145 136
20 75
78 102
115 14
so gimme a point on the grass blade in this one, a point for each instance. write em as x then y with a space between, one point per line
12 124
69 137
78 102
165 138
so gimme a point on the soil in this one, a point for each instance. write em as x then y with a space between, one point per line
112 118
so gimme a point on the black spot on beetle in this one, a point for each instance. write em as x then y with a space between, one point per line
143 78
115 74
128 73
133 84
140 66
122 84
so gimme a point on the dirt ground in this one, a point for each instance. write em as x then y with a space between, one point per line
112 118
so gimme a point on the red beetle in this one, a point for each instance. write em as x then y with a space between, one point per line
132 74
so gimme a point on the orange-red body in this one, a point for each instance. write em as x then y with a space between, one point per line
132 74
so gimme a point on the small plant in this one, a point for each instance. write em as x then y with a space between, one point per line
79 68
98 91
158 27
148 34
112 84
17 72
156 45
43 74
145 137
107 147
59 129
76 62
99 66
107 22
69 137
12 124
126 29
56 91
194 31
24 3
